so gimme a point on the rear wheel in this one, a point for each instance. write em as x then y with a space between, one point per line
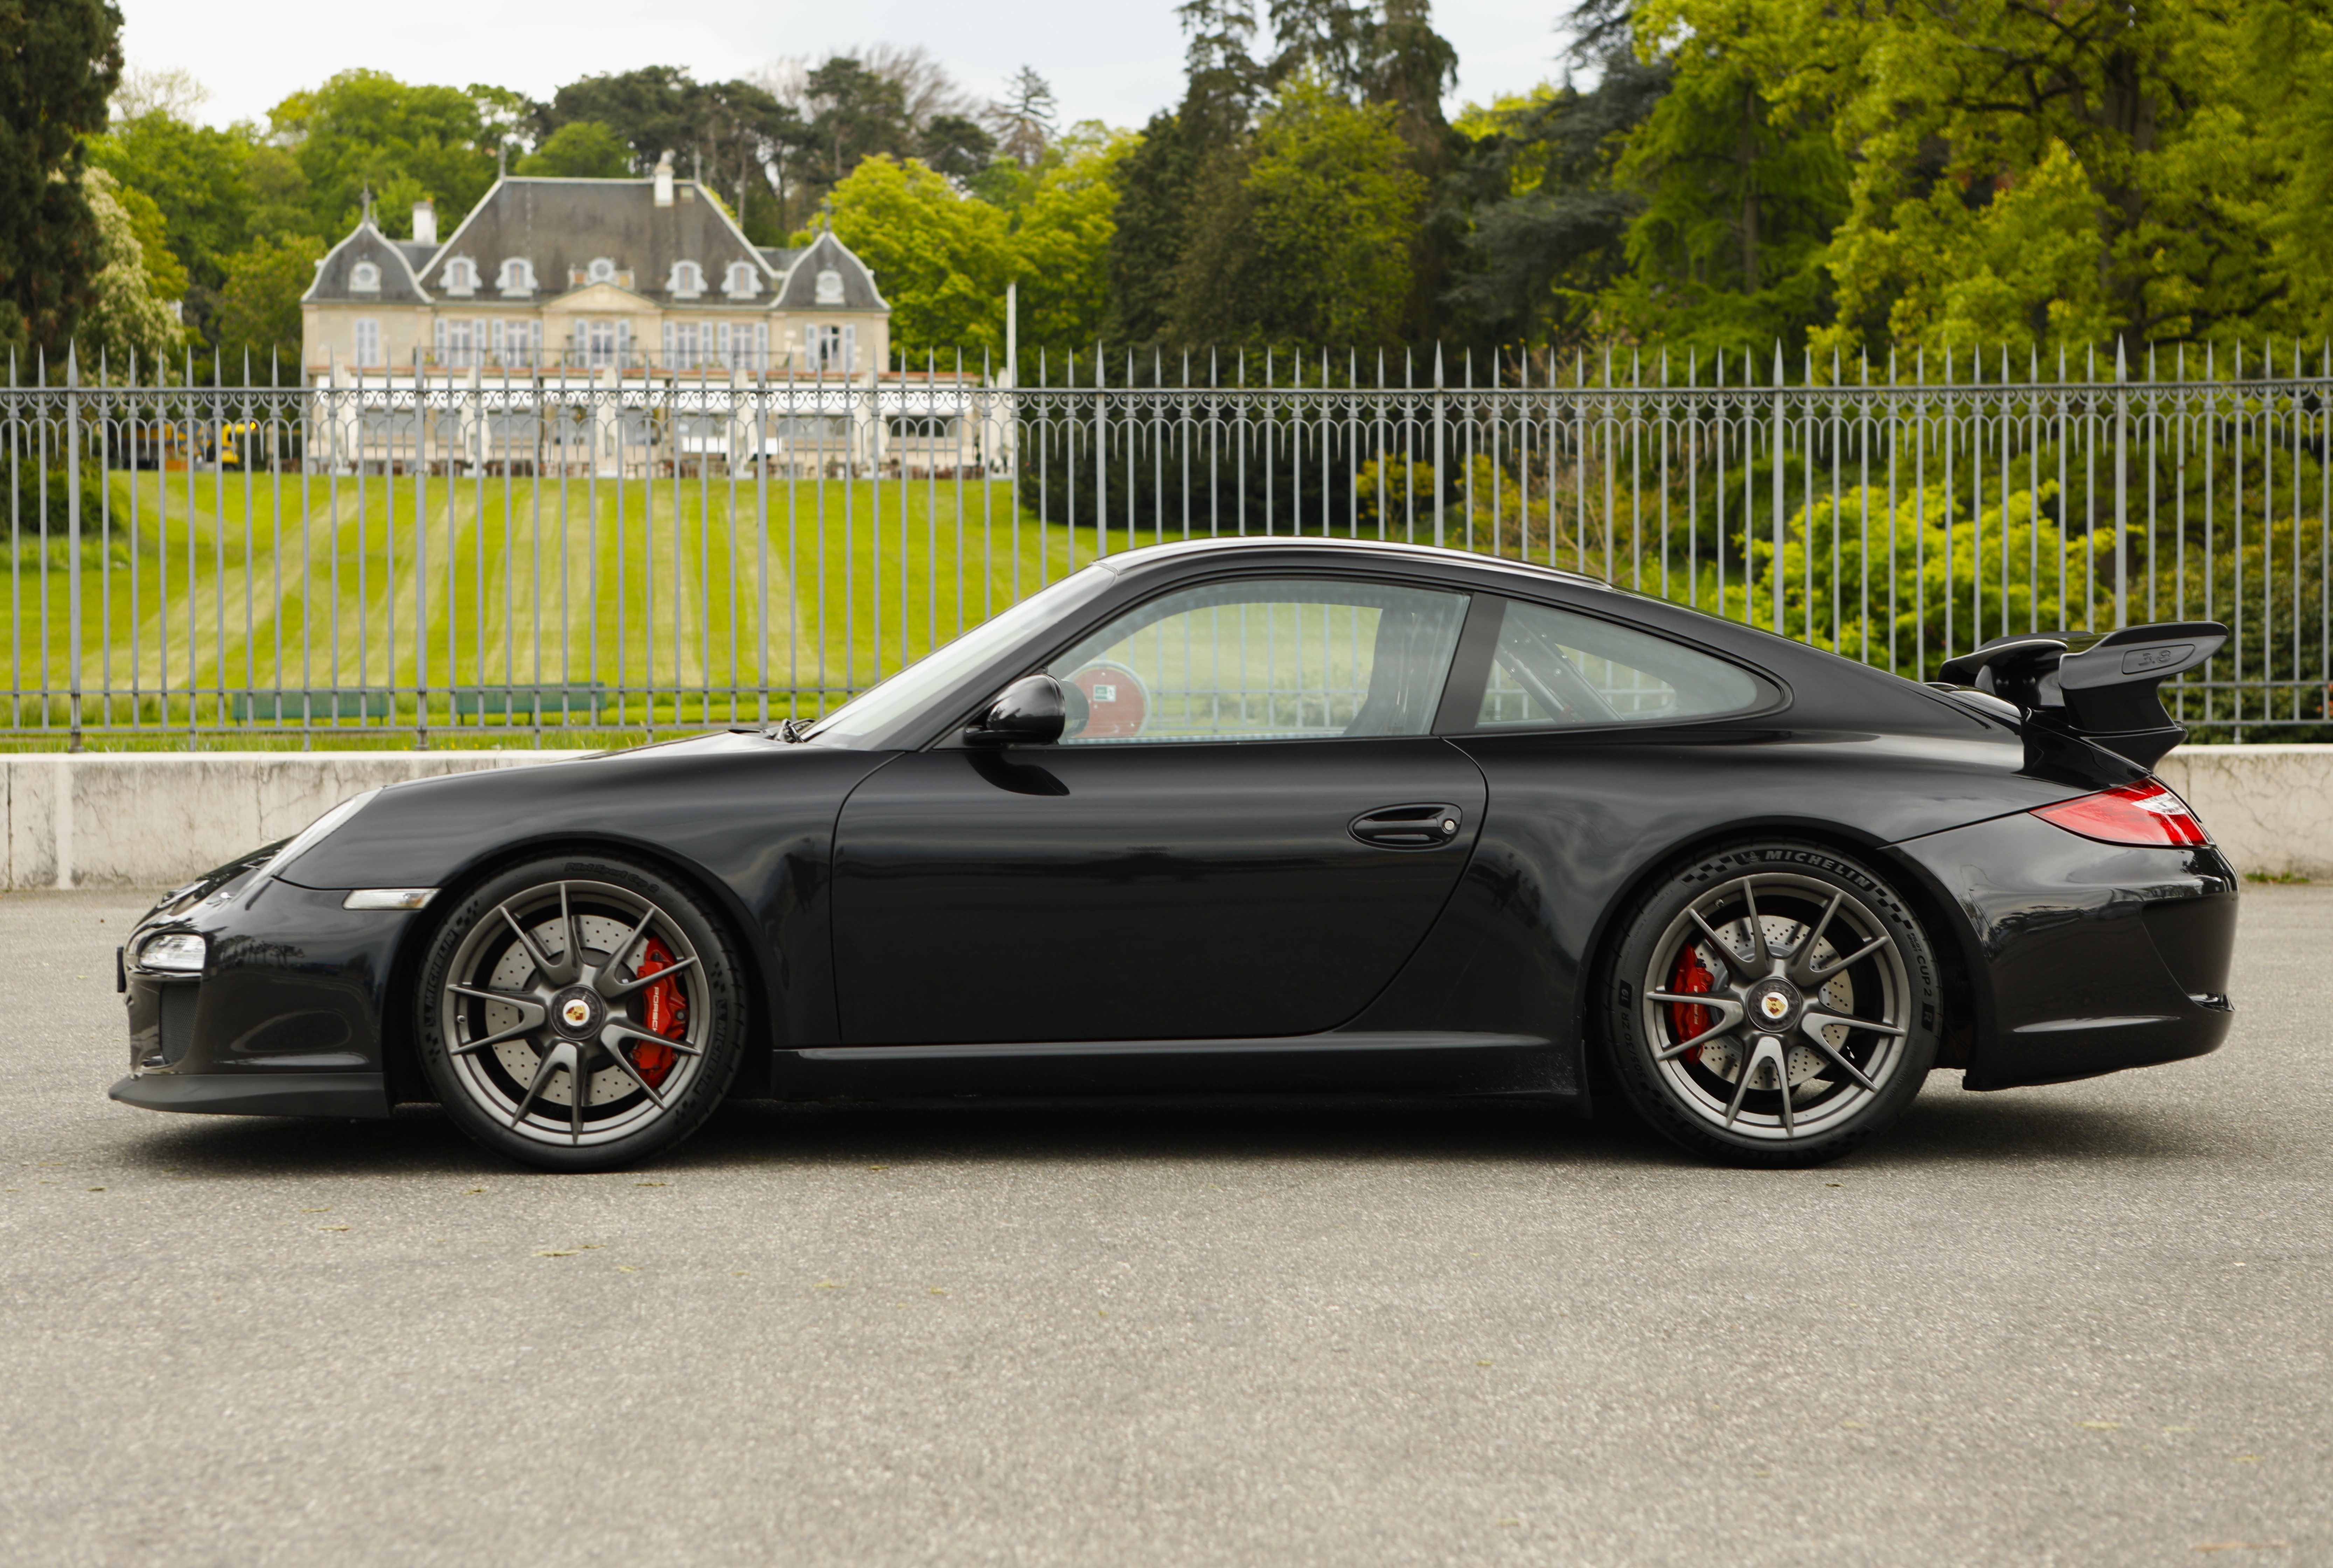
579 1014
1771 1005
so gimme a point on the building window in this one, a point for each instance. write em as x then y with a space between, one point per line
761 360
829 287
367 341
517 276
687 281
828 347
744 280
364 278
601 271
461 276
685 343
598 344
514 343
457 343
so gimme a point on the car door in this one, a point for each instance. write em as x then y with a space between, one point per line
1246 829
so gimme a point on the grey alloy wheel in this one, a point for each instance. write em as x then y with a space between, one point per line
579 1019
1774 1004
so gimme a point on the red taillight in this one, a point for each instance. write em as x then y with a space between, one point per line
2145 813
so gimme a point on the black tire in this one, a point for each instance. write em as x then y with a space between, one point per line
654 1057
1832 1044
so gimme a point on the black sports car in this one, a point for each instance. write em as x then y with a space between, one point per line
1265 814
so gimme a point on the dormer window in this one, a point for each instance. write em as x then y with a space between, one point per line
829 287
517 277
744 280
364 278
601 271
461 276
687 281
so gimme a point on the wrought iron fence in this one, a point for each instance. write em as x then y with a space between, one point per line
549 557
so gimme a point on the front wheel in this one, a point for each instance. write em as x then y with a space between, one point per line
579 1014
1771 1005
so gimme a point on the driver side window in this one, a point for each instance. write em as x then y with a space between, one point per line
1269 659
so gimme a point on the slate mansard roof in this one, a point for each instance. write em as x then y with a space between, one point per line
559 226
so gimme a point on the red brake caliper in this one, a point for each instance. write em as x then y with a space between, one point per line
666 1014
1690 980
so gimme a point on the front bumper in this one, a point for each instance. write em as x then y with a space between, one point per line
285 1020
2084 958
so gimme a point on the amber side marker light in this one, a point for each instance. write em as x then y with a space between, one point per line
2143 813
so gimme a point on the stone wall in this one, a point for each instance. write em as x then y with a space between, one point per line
154 819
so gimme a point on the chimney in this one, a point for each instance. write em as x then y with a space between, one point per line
424 221
664 180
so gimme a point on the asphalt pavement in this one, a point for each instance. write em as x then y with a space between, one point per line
2082 1324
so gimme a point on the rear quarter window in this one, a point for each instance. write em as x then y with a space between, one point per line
1554 668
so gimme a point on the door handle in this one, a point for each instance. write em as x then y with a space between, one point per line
1424 826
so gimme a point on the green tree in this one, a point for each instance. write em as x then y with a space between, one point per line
2022 173
1740 199
858 113
1542 218
259 306
1061 241
579 150
1312 244
129 320
367 129
59 65
941 258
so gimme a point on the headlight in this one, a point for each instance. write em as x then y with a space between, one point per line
174 953
312 835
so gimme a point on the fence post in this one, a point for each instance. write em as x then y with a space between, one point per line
1781 435
2122 484
1441 472
73 547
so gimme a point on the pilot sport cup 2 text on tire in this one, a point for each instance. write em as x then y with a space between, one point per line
1774 1004
579 1013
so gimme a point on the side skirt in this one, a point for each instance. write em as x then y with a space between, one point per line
1516 1066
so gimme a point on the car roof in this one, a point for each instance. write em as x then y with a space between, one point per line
1388 550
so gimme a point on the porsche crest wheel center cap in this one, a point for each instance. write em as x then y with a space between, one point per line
577 1012
1773 1005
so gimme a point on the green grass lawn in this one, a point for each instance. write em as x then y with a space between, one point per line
572 589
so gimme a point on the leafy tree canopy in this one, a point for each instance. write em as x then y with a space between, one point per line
60 64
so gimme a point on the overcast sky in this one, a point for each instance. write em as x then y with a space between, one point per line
1111 60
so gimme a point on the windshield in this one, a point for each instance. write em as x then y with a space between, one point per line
881 706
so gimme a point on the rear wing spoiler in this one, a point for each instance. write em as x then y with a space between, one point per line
2100 688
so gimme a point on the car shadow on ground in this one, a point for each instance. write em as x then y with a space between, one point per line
1944 1127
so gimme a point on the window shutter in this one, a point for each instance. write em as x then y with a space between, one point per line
437 338
494 339
761 345
623 336
809 346
849 347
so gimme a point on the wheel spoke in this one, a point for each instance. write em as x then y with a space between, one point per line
473 1047
1672 1053
540 959
624 1031
633 1073
579 1082
1814 1018
572 924
1749 1070
1741 967
508 998
624 948
1834 1055
1803 953
626 988
1760 954
1857 956
558 1056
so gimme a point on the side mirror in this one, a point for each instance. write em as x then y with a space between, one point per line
1031 711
